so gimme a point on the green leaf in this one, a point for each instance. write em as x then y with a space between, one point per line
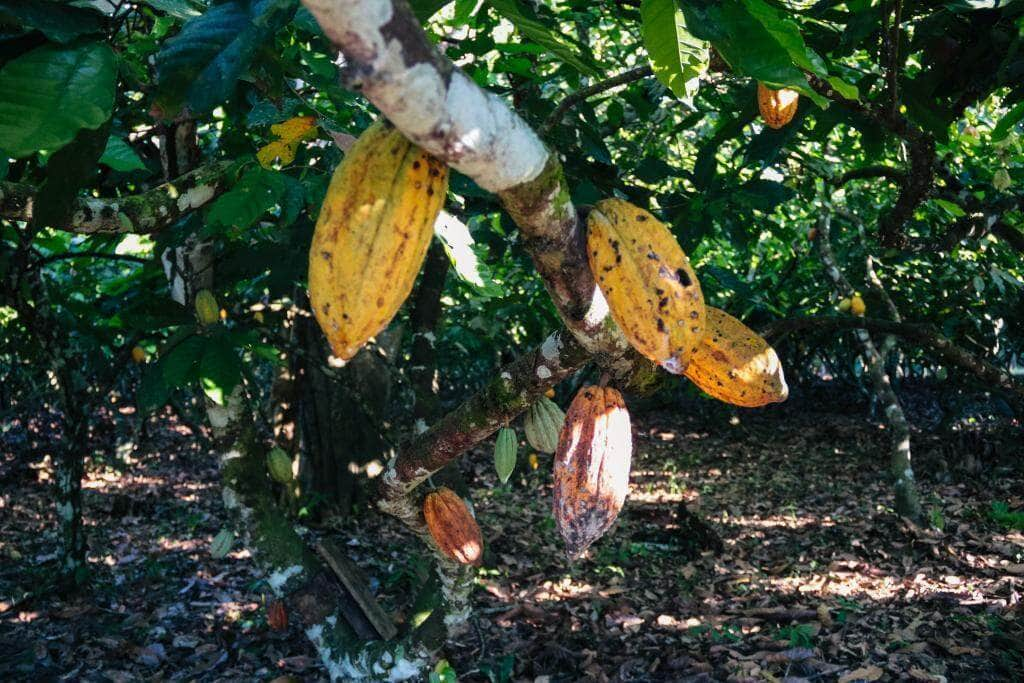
61 23
49 94
201 65
1007 123
424 9
219 371
255 193
120 157
180 364
566 49
179 9
465 255
678 58
951 208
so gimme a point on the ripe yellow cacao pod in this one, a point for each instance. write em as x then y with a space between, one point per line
591 467
534 461
734 364
777 106
857 306
207 309
652 292
258 317
844 305
452 526
138 354
372 235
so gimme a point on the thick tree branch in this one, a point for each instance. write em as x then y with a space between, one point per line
144 213
880 171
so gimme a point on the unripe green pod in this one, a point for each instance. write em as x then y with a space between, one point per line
543 425
207 309
221 544
505 451
279 465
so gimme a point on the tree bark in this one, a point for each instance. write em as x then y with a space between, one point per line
424 316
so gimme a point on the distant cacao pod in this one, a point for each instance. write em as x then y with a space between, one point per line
857 305
221 544
279 465
207 309
277 616
542 425
138 354
592 463
734 364
372 235
1001 180
506 448
452 526
844 305
652 292
812 234
777 106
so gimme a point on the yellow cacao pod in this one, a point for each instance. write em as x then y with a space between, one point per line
734 364
372 235
591 467
777 106
207 309
452 526
138 354
652 292
857 306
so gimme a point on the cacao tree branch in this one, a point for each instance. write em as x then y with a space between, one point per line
144 213
923 335
907 501
880 171
570 101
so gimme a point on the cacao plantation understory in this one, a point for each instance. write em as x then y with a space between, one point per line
646 340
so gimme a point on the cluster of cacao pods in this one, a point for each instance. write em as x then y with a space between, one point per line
854 304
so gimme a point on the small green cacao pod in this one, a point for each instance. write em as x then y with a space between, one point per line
221 544
207 308
279 465
543 424
505 451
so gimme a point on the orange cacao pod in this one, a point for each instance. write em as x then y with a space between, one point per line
277 616
591 467
452 526
777 106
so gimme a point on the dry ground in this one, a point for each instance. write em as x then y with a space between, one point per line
817 580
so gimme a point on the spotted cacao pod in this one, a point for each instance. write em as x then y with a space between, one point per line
506 448
777 106
734 364
591 467
452 526
652 292
207 309
372 235
542 425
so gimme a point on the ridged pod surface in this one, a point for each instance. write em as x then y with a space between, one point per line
543 424
372 235
279 465
207 309
591 467
652 292
506 448
734 364
452 526
777 106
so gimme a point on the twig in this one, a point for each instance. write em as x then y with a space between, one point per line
570 101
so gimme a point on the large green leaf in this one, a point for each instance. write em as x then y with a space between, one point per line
180 9
50 93
219 370
201 65
566 49
678 58
120 157
1007 123
255 193
181 362
60 22
67 169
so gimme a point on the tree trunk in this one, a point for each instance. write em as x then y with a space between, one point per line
426 311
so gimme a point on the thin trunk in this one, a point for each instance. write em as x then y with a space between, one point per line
907 501
426 311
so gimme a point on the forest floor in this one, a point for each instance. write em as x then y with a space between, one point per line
816 580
